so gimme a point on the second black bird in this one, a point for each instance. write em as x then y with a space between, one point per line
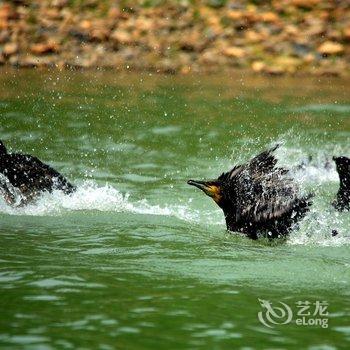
342 201
28 176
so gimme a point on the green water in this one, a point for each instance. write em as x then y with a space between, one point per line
137 259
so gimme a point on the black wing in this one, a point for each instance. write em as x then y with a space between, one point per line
262 191
262 163
29 173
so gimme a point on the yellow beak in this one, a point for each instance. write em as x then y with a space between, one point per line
210 189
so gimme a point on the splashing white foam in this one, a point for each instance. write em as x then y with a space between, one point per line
323 108
315 229
318 176
317 240
91 196
319 169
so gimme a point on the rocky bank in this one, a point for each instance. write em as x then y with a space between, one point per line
272 37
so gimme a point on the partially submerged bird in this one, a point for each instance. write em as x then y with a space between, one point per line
258 198
27 177
342 201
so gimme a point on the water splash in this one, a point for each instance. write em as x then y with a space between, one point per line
91 196
315 176
339 108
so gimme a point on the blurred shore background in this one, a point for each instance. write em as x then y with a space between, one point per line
310 37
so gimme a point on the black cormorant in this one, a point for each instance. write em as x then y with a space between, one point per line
28 176
258 198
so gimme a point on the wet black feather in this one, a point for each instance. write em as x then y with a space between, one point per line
342 201
30 175
259 198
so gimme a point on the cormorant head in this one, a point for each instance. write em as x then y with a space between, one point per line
212 188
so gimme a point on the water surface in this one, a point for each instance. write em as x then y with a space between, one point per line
136 258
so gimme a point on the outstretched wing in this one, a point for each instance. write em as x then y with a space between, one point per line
267 197
262 163
262 191
226 177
